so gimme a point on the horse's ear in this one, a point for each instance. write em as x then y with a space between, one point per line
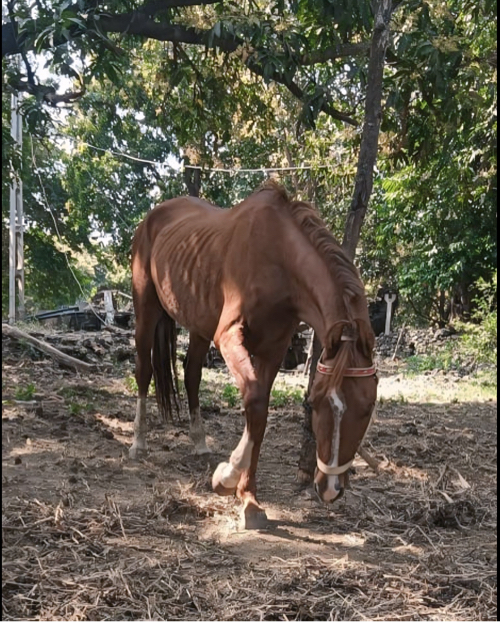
366 337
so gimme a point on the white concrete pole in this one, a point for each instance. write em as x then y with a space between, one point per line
390 299
16 231
108 307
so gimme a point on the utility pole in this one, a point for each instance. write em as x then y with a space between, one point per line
16 249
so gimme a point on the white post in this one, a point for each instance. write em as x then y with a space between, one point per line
20 241
390 299
108 306
16 254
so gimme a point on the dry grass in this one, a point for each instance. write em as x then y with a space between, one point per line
88 536
112 563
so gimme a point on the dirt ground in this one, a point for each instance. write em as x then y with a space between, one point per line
89 535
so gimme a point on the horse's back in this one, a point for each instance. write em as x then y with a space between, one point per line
201 257
172 213
182 243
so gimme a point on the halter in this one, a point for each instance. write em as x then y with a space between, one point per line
349 372
333 470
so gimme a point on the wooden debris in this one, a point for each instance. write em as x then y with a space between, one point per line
60 357
371 461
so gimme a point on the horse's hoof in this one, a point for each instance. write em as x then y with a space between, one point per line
137 453
203 450
217 481
303 478
253 517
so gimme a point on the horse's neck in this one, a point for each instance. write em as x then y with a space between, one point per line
320 300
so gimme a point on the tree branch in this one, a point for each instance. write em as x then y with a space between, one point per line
29 71
298 92
12 42
140 23
155 7
60 357
47 93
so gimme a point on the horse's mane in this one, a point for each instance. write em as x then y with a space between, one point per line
309 222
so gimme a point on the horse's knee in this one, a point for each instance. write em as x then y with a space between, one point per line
256 412
255 401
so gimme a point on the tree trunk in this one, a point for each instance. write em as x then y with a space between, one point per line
192 178
370 132
307 455
358 208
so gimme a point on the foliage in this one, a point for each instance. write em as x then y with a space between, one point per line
479 340
131 386
434 220
26 393
253 86
230 395
51 274
446 360
285 397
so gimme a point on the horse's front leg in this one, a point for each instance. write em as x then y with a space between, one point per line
256 416
254 381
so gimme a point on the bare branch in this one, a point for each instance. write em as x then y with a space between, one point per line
46 93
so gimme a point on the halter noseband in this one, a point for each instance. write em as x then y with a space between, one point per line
349 372
333 470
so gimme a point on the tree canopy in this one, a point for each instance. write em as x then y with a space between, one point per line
262 84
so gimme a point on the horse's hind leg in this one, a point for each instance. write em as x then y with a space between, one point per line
148 311
197 351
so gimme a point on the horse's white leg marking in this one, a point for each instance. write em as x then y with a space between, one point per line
197 432
338 407
139 444
240 460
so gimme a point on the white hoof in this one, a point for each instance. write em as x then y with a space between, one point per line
137 453
202 450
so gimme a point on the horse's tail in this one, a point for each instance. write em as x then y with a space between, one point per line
164 367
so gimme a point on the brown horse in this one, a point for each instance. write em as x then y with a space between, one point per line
245 277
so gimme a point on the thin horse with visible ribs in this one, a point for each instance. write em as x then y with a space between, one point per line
244 278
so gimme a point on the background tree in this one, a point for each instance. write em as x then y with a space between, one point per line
275 84
48 277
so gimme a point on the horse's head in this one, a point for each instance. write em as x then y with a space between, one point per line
343 397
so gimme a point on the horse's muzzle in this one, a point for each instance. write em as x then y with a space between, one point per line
329 495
